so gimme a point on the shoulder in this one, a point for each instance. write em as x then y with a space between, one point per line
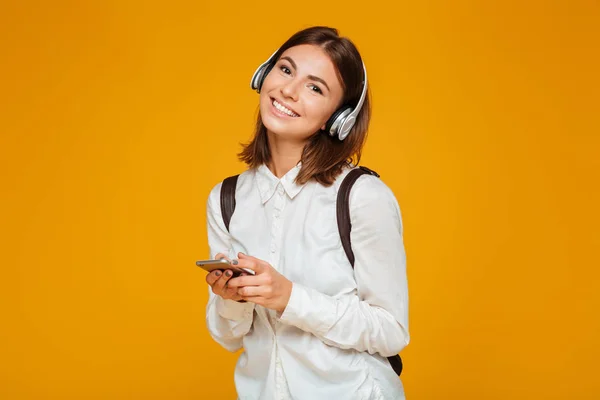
214 197
370 187
370 195
366 189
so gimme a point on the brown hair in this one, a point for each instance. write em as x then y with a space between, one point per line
324 156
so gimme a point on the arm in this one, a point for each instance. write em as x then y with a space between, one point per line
227 320
376 319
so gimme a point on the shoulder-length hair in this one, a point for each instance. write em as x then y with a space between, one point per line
324 156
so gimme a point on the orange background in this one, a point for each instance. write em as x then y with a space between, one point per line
117 118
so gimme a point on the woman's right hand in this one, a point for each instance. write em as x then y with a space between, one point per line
218 282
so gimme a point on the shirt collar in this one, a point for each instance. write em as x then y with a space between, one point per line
268 183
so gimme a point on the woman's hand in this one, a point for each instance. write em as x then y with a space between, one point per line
218 281
267 287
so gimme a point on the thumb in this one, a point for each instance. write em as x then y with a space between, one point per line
253 263
219 256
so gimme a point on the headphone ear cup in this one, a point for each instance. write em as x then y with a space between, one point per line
336 120
263 76
256 79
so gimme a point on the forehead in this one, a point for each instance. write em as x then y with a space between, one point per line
312 60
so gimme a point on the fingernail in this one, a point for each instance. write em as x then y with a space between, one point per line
228 273
218 273
235 262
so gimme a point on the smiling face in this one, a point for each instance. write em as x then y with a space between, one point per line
300 93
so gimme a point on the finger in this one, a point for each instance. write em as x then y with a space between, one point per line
246 280
236 282
219 286
212 277
251 263
258 262
220 256
231 293
252 291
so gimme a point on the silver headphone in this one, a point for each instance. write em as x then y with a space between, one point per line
340 123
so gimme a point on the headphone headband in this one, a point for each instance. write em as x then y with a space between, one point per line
341 122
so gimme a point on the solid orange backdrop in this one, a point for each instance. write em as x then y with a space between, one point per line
117 118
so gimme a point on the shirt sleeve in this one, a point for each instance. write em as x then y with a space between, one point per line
375 319
227 320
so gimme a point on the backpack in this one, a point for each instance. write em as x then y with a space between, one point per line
343 219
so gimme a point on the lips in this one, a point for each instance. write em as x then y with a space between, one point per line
283 109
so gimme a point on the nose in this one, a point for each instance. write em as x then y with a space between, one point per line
290 89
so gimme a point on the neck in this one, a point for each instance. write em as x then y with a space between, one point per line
285 154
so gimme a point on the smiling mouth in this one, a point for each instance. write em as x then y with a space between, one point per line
283 109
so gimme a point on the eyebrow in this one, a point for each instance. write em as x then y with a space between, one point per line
311 77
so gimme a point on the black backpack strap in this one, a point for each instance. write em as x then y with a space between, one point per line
345 227
343 208
228 199
228 203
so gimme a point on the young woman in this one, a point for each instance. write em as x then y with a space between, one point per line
312 326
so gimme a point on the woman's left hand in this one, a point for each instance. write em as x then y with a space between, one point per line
267 287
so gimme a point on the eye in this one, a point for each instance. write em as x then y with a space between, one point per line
285 70
315 88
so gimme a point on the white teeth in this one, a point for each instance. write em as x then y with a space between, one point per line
284 110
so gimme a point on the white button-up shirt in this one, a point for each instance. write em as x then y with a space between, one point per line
340 324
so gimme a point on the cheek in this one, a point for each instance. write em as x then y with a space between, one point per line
319 110
264 98
273 80
264 102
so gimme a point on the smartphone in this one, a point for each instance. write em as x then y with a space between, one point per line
222 265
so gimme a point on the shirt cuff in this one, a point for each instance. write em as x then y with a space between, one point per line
233 310
310 310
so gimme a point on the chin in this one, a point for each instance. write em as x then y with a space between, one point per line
276 125
278 128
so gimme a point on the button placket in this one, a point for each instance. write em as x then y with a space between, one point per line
276 223
279 202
